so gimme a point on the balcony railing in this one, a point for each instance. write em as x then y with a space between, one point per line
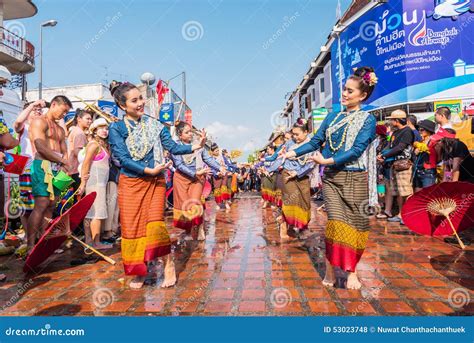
19 45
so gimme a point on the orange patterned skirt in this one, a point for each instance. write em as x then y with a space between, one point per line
144 234
188 207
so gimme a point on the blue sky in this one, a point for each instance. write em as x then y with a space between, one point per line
241 56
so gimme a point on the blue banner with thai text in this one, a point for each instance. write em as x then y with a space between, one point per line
420 50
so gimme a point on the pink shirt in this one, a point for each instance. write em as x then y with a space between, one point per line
76 141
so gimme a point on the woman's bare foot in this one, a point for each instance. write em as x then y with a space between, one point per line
201 233
137 282
265 204
284 231
353 281
329 278
227 206
170 273
218 207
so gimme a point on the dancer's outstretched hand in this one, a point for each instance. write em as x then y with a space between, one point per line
318 158
282 152
203 138
157 169
289 155
204 171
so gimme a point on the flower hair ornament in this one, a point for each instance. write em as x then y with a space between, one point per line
370 78
301 121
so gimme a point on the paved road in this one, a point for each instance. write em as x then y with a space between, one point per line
243 269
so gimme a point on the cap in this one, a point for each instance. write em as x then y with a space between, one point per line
98 122
428 125
397 114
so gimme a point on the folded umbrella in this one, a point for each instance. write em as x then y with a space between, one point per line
58 230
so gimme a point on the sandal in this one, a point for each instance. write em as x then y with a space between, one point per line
383 215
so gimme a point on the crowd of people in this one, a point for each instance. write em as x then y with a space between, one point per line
356 162
132 163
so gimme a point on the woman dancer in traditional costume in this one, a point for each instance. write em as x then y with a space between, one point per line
226 187
349 183
277 177
232 170
296 191
137 142
219 179
267 180
188 183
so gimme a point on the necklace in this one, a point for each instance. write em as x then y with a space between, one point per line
131 147
304 158
189 158
344 133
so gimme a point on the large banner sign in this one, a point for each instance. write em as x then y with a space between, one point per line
108 106
420 49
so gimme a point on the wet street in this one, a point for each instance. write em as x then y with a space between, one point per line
244 269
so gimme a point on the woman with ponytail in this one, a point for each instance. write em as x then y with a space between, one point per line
138 142
295 187
350 180
188 183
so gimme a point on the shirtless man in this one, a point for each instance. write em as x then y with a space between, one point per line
49 142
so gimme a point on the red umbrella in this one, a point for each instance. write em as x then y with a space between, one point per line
58 231
441 210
